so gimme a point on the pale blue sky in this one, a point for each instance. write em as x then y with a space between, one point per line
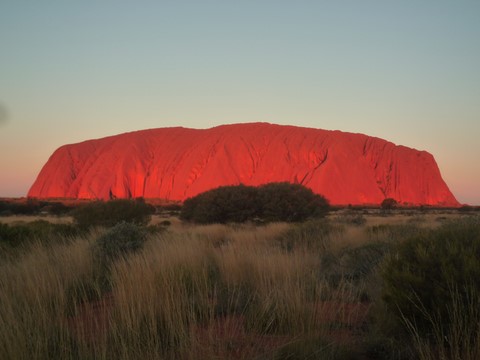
405 71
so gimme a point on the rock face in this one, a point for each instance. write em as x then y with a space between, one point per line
177 163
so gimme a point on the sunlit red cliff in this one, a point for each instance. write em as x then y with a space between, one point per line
177 163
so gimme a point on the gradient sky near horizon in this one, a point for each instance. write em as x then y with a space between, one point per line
406 71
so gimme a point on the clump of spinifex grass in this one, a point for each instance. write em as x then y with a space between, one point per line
159 294
460 338
33 301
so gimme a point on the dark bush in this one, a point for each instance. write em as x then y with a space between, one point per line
290 202
119 241
14 235
29 207
388 204
221 205
271 202
466 208
32 207
431 277
110 213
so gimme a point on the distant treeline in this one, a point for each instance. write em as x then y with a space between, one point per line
32 207
59 207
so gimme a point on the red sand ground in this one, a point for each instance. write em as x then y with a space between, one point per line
226 337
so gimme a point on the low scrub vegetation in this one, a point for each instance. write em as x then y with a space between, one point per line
270 202
431 284
326 288
14 235
32 207
389 204
110 213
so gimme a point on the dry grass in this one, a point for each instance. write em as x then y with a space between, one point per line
19 219
461 338
209 292
429 219
32 298
170 300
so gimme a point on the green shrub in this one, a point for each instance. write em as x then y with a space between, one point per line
118 242
109 213
431 276
270 202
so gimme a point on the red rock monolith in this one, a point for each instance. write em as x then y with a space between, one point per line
177 163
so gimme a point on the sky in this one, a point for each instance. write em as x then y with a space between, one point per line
406 71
